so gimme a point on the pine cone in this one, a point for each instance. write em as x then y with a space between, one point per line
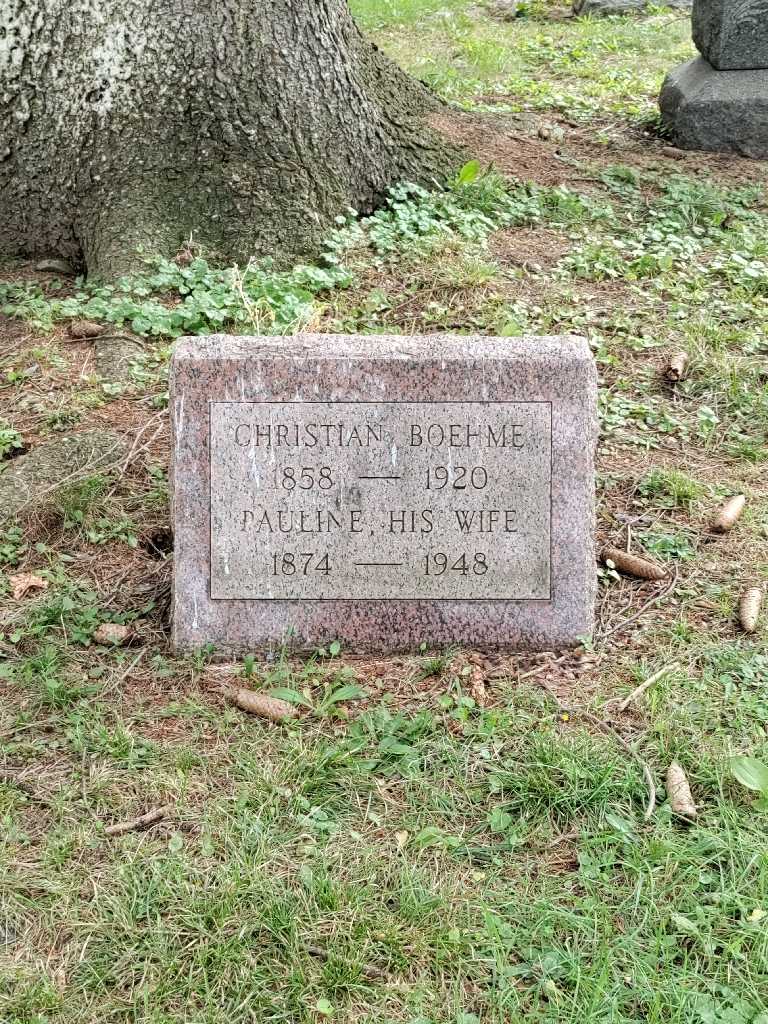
84 329
729 514
679 792
749 609
676 366
262 704
633 565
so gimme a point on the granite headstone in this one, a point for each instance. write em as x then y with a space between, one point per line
719 101
732 35
383 491
605 8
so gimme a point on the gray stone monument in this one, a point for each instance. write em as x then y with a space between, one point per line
719 101
383 491
603 8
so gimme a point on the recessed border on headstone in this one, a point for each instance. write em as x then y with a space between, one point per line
403 501
385 576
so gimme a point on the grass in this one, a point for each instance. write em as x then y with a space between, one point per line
413 849
438 875
536 62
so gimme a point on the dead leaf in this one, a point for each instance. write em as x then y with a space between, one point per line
679 792
470 667
401 838
633 565
729 514
111 633
261 704
477 689
454 726
24 582
749 609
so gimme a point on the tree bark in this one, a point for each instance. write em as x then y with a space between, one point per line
131 125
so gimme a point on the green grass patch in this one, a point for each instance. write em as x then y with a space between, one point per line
402 854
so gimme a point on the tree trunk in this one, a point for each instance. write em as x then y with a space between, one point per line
131 125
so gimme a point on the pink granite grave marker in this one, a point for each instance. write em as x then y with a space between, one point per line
383 491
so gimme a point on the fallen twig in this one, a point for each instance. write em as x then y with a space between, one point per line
135 450
606 727
643 608
565 837
118 337
647 773
10 778
137 824
545 667
124 674
640 690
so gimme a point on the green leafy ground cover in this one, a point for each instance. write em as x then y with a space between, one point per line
417 848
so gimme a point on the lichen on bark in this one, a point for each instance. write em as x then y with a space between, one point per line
129 125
